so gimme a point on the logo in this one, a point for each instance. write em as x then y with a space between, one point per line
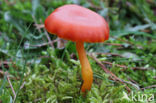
138 97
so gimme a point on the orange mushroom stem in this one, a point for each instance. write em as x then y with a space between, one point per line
87 74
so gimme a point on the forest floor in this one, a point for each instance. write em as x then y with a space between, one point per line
36 66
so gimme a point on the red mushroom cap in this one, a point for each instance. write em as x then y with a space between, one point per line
76 23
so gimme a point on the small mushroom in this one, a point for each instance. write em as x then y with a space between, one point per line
79 24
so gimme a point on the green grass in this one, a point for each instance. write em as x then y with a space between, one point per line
52 75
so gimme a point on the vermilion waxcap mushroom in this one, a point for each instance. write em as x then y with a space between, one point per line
78 24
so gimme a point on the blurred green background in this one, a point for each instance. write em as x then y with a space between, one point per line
43 72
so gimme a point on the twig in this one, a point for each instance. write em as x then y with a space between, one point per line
114 44
39 29
122 66
36 24
140 68
13 91
22 85
134 85
94 6
10 84
113 76
128 42
10 77
125 67
45 32
152 86
61 43
109 54
39 26
133 81
44 44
